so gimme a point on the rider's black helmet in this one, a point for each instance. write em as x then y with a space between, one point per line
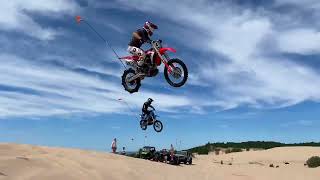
150 100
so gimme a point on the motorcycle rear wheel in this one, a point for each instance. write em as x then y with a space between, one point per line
143 124
133 86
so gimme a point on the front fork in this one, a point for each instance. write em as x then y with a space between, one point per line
152 116
164 58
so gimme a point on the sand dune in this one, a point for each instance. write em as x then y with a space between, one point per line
23 162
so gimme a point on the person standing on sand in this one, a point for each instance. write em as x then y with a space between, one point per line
114 145
171 151
123 151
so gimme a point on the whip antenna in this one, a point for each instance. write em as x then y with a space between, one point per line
79 19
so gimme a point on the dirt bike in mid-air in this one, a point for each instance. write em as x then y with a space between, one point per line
175 71
151 119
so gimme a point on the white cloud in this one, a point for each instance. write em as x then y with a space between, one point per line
249 76
305 123
59 91
14 16
115 127
302 41
223 126
270 84
116 28
312 4
239 37
244 76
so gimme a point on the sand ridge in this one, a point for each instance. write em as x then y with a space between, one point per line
46 163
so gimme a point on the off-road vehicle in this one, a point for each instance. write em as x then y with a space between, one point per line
147 152
184 157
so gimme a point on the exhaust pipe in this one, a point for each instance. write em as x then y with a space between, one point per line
139 75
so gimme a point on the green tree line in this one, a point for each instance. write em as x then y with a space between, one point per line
209 147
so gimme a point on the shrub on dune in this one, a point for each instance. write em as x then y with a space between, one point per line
236 150
217 151
228 151
313 162
203 151
232 150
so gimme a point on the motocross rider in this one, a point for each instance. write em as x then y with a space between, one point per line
145 111
140 37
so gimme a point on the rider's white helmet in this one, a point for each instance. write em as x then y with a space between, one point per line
150 27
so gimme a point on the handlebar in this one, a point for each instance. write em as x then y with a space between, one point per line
151 41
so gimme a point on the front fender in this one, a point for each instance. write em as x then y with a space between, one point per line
163 50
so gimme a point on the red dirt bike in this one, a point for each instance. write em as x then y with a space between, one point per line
175 71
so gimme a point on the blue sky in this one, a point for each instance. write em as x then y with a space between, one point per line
254 72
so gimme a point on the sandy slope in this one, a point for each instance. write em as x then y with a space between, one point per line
43 163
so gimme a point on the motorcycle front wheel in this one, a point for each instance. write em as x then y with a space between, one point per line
179 73
157 126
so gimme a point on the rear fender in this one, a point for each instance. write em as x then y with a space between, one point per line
130 58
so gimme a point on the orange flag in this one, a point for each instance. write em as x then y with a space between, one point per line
78 19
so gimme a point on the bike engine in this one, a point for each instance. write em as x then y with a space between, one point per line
153 72
131 63
143 69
